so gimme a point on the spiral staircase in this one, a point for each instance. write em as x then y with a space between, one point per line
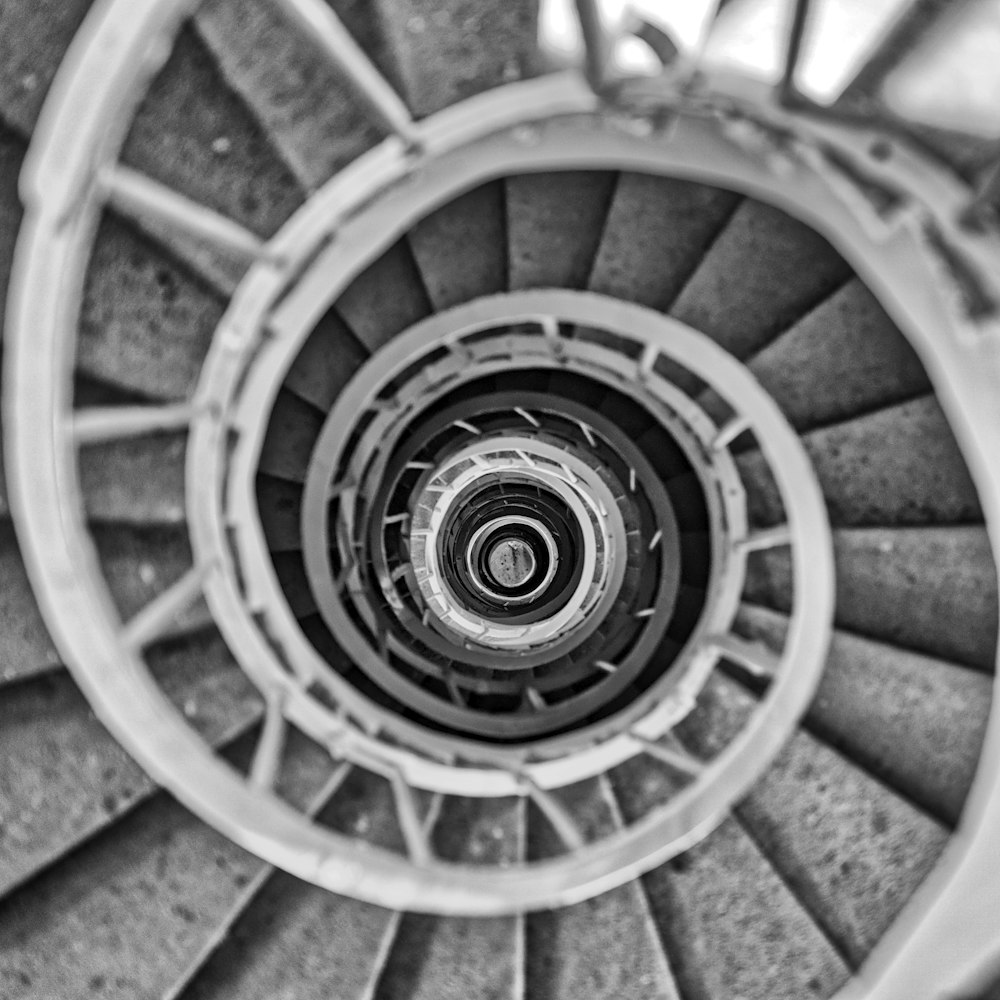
358 280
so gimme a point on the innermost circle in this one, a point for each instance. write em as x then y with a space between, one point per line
511 562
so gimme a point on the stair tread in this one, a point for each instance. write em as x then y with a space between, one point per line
932 590
914 721
554 227
656 233
11 157
139 563
195 135
290 569
897 466
460 248
605 948
851 850
328 359
843 358
453 49
453 958
311 116
374 316
31 54
25 645
280 505
138 481
146 323
172 875
730 924
335 939
292 430
751 285
64 778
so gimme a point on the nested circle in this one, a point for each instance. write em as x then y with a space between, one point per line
505 561
585 495
224 394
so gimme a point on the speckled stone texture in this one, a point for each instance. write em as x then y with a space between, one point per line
919 588
900 466
447 50
65 778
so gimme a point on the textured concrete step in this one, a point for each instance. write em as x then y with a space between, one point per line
292 430
138 481
146 322
328 359
121 916
337 943
913 721
139 563
308 110
25 646
606 948
290 568
447 50
554 227
844 358
370 312
851 850
932 590
461 248
280 505
730 924
751 284
193 133
62 776
33 38
896 466
453 958
11 156
656 234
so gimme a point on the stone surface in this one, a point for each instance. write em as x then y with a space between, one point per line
34 35
447 50
25 646
11 156
730 924
896 466
139 563
385 298
292 431
138 481
454 958
146 323
931 590
64 777
291 572
312 117
336 942
461 247
849 849
280 505
843 358
554 227
328 359
752 283
656 233
194 134
122 916
606 948
915 722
